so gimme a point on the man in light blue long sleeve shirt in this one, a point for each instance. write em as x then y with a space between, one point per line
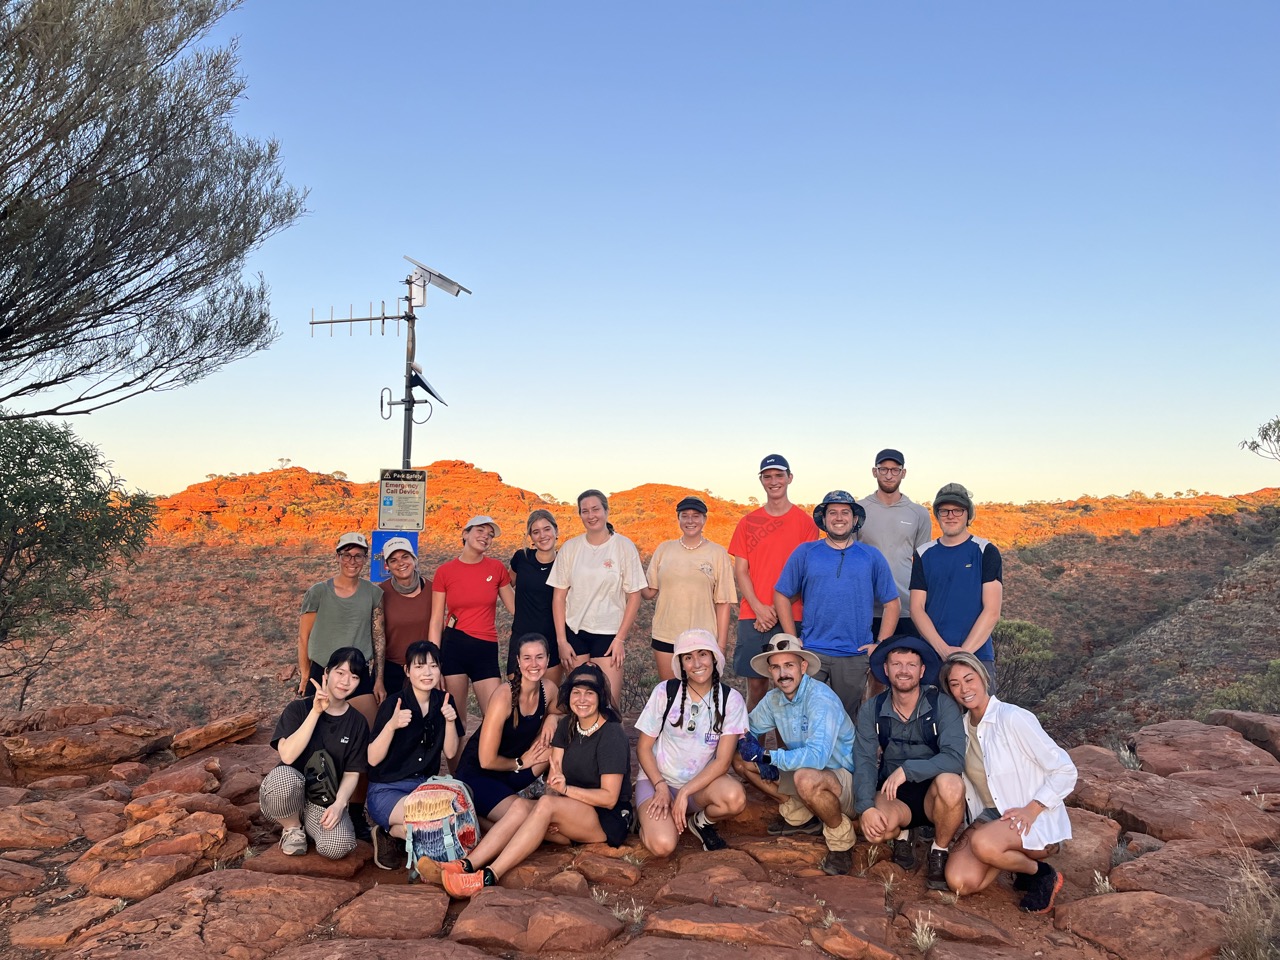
814 771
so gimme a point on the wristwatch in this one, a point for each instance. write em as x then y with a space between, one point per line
519 764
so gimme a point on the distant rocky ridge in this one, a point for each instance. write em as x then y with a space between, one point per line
115 844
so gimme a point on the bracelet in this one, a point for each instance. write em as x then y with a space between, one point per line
519 761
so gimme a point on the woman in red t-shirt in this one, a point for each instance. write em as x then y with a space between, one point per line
464 626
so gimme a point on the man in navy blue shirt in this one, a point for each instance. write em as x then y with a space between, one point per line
839 581
957 583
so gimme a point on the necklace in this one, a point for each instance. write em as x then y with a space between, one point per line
701 541
406 591
594 727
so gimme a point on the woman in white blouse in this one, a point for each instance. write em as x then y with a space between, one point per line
1016 779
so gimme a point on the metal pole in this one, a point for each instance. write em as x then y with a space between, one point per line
410 349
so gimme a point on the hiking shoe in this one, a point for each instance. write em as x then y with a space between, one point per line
293 842
935 869
388 852
1022 881
1044 888
780 827
904 855
430 871
926 832
707 833
837 862
462 886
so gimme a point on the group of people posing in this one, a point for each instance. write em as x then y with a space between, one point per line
825 598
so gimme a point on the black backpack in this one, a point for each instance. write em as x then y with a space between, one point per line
928 720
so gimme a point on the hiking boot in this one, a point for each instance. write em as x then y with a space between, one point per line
935 869
293 842
837 862
780 827
1044 888
462 886
706 832
904 855
388 852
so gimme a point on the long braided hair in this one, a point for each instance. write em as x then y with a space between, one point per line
717 693
516 680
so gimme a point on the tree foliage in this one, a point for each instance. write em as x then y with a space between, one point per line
66 522
1267 443
128 204
1025 659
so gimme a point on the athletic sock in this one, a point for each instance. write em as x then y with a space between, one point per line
934 846
904 834
701 819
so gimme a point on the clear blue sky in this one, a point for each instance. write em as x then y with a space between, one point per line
1035 246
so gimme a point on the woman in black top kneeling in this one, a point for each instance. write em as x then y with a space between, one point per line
588 798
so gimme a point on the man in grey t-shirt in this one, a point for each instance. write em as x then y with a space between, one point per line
896 526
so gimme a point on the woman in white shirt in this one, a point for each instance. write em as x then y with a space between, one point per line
597 579
1016 779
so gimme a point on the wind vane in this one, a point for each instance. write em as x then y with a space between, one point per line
417 283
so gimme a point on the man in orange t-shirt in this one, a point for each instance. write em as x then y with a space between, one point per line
760 547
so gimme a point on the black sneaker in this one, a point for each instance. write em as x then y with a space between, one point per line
388 852
837 862
1022 881
706 832
904 855
935 869
780 827
1044 888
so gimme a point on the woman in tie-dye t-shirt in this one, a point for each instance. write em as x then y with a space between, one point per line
689 731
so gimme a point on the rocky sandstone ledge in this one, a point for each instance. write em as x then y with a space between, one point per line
122 838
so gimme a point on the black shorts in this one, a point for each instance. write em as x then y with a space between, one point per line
662 646
465 654
365 689
594 645
912 794
616 823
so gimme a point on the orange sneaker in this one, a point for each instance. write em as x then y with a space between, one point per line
462 886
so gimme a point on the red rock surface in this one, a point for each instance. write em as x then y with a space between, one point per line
57 926
1260 729
726 925
1179 745
607 870
226 730
18 878
1093 840
380 950
1199 870
664 948
228 913
394 913
139 879
954 923
91 748
274 861
498 919
1140 926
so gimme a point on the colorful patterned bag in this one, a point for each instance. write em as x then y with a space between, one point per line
440 822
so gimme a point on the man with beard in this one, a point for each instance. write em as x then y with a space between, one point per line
811 779
909 756
957 584
897 527
839 581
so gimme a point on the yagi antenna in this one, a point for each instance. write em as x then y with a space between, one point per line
417 283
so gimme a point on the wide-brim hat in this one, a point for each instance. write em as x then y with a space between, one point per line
696 639
785 643
932 662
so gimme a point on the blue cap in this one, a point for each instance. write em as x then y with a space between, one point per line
775 461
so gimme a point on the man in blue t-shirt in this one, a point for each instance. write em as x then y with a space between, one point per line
839 581
957 583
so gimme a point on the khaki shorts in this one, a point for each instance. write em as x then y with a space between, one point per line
787 785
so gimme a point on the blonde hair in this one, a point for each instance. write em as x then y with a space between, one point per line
962 658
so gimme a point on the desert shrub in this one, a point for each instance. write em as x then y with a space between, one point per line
1259 692
1026 662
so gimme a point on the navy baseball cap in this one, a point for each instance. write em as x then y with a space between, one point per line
775 461
890 454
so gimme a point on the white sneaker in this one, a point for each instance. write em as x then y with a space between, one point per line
293 842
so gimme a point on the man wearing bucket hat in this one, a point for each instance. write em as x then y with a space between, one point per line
689 732
839 581
814 772
909 756
956 583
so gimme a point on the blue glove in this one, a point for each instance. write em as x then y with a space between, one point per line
751 750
